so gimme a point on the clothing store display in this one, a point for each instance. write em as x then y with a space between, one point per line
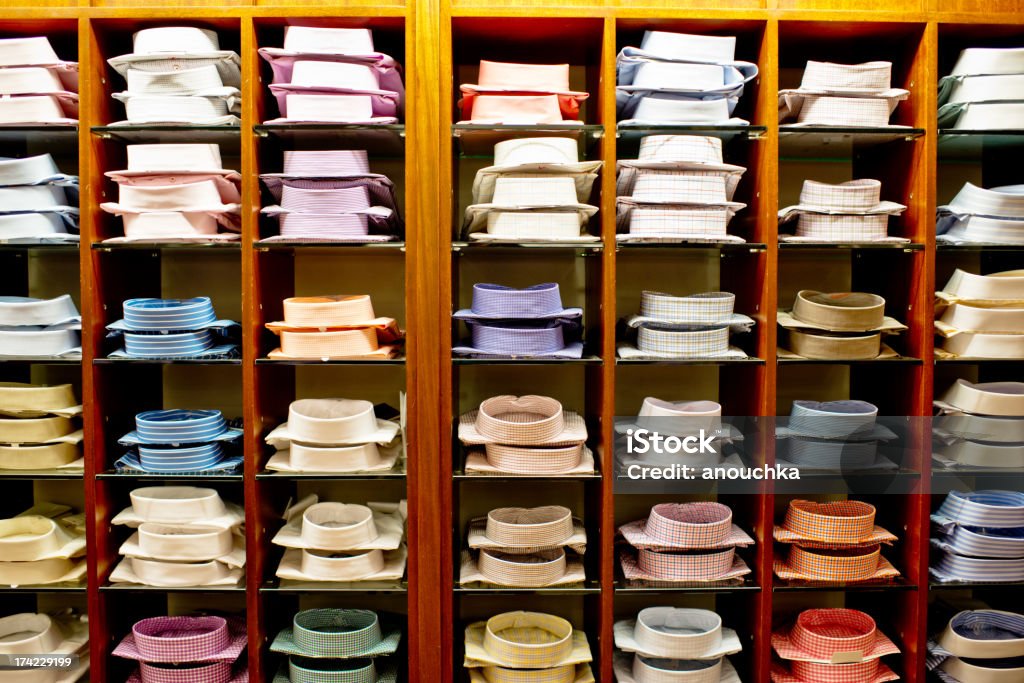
979 536
684 543
979 215
173 328
838 326
520 323
179 75
680 78
691 326
510 93
331 196
979 645
984 91
834 542
832 645
333 327
36 86
176 193
847 95
338 542
525 435
181 441
334 75
845 212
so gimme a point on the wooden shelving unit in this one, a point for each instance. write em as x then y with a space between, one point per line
439 43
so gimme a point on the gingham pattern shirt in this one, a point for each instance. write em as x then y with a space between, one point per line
843 227
679 187
508 303
530 570
686 565
837 522
820 634
857 672
336 632
706 307
841 565
303 670
627 178
681 222
181 639
683 341
528 640
526 460
826 110
868 76
217 672
689 525
556 674
548 526
521 420
511 339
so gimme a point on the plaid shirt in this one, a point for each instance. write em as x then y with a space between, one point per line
806 672
689 525
842 227
869 76
528 640
217 672
336 632
540 527
838 522
699 566
818 635
866 112
840 565
683 341
706 307
541 568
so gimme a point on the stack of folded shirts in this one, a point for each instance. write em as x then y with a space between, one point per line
684 543
525 548
833 543
979 426
678 419
343 543
986 216
179 75
331 196
536 191
36 86
832 645
334 326
184 536
838 326
333 75
979 645
39 327
846 212
525 435
335 435
691 326
181 442
847 95
703 204
520 94
979 537
43 545
173 328
678 78
31 634
37 427
981 316
520 323
176 192
985 90
675 644
38 203
182 648
527 646
329 644
835 436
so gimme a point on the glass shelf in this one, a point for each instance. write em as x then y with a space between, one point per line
482 246
311 246
170 134
60 247
41 474
167 361
977 246
589 587
689 361
42 360
378 140
900 584
478 140
726 133
963 585
979 361
289 586
830 246
218 245
461 475
748 247
47 588
138 588
57 135
626 586
897 360
395 474
836 142
586 360
165 476
316 361
957 144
